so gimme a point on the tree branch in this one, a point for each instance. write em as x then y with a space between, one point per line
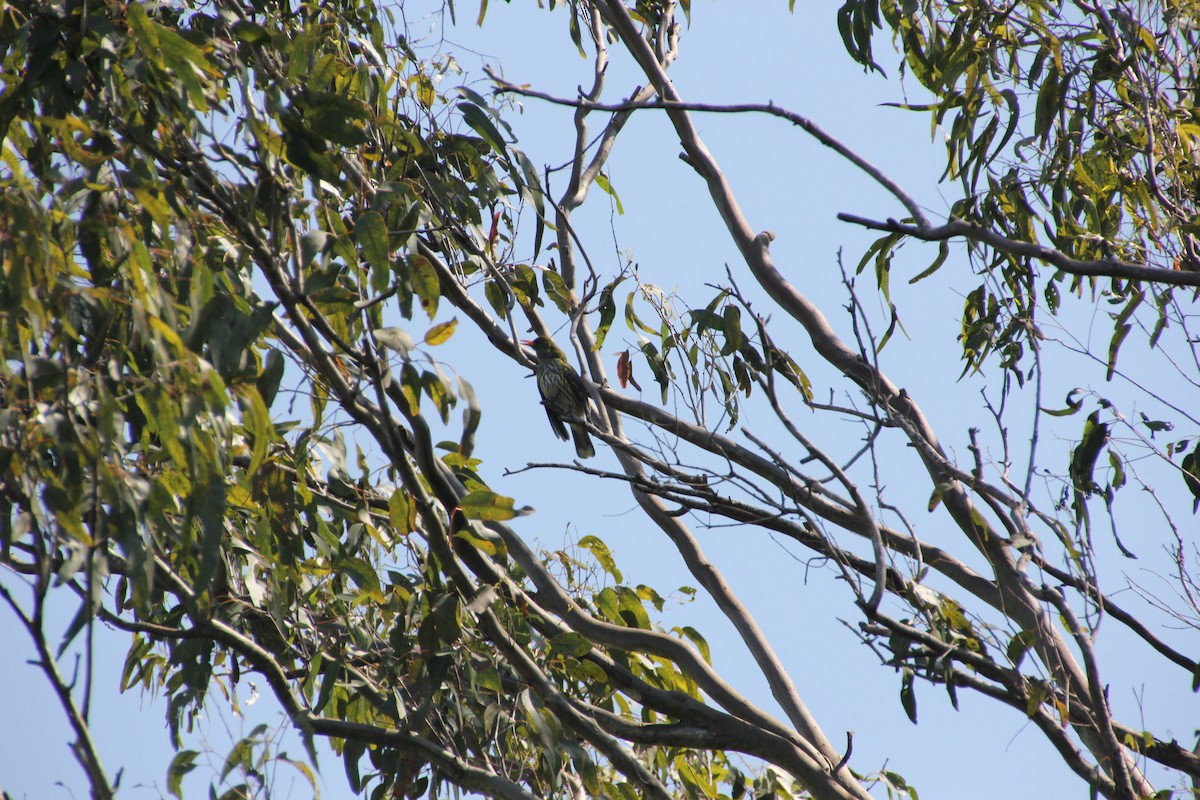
1109 267
85 749
802 122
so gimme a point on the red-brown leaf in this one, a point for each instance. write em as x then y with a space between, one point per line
625 371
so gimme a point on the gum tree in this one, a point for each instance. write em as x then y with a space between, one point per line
229 230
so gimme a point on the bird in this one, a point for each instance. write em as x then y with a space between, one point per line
563 393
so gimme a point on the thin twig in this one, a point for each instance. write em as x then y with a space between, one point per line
806 124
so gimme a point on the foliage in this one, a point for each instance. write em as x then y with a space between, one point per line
234 236
1063 124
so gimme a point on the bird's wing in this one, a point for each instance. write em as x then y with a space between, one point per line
580 393
556 423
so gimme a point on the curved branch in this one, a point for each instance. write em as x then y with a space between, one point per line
1020 604
922 229
806 124
811 496
799 754
1107 267
85 746
470 776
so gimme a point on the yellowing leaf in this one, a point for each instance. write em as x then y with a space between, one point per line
490 506
371 232
441 332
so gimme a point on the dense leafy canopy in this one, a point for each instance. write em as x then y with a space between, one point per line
233 235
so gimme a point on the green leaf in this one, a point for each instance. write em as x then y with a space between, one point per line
438 388
241 756
441 332
303 769
706 320
475 117
183 763
943 253
498 298
78 622
658 368
331 672
898 782
492 547
207 505
1083 459
883 249
1121 330
489 506
698 640
174 55
531 191
557 290
1053 301
489 679
422 274
624 607
732 327
402 512
570 644
271 376
1118 468
335 117
352 753
260 427
360 571
587 671
951 686
648 594
371 232
138 663
608 312
575 31
1073 405
523 281
605 186
783 363
908 696
854 20
472 415
426 94
633 320
1048 103
250 32
1018 646
602 554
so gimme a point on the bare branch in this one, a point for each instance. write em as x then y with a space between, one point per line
807 125
1109 267
85 749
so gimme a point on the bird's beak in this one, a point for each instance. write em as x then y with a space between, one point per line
528 342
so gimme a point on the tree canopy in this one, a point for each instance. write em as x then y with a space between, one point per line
239 240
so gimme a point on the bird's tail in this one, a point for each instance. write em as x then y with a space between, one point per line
583 442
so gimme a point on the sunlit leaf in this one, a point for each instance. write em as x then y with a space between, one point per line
441 333
485 505
908 695
1083 459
